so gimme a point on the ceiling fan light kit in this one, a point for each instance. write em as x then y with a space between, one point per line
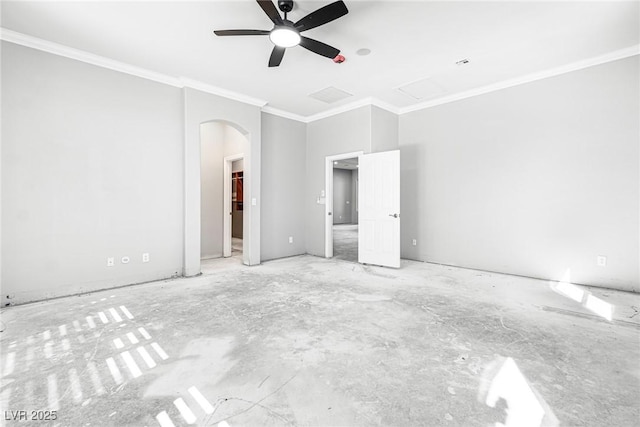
287 34
284 37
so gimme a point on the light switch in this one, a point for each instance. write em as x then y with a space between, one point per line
254 201
322 193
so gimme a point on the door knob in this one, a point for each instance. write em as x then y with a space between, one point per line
394 215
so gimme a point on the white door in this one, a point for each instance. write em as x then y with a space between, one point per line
379 209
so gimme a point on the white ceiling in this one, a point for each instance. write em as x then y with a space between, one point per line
409 41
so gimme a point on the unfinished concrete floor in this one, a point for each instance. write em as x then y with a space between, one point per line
309 341
345 242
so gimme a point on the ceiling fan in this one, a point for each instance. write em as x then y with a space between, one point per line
287 34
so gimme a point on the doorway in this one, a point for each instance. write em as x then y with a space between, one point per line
224 191
345 209
378 208
341 206
233 231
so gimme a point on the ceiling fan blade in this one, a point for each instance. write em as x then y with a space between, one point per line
271 11
241 32
321 16
276 56
319 47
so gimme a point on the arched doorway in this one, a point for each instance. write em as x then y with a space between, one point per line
202 107
222 200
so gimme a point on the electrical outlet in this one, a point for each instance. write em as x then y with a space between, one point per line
601 261
290 239
145 257
125 260
414 242
110 262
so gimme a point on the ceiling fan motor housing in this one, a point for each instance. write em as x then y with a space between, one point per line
285 5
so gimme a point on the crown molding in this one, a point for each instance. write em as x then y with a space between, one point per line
369 101
385 106
111 64
283 113
214 90
334 111
80 55
574 66
182 82
339 110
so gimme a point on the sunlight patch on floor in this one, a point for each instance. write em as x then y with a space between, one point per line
586 299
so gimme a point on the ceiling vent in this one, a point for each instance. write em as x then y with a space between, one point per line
422 89
330 95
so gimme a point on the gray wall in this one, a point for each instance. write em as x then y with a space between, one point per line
91 168
218 140
384 130
211 191
533 180
344 133
283 186
342 192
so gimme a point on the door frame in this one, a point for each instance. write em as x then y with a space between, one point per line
328 208
227 208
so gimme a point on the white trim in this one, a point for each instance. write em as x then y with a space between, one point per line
285 114
338 110
328 200
83 56
385 106
575 66
111 64
226 231
215 90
